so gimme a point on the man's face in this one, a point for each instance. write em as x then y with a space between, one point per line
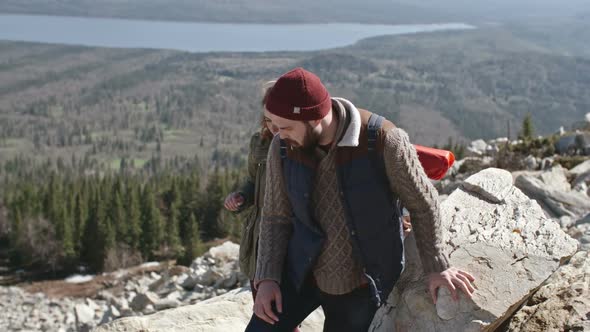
298 134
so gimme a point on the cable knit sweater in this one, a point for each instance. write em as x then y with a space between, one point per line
336 271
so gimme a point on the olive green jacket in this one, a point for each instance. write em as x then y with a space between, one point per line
253 192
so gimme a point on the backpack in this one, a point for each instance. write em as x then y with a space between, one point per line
436 162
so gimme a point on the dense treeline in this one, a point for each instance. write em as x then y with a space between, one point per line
62 221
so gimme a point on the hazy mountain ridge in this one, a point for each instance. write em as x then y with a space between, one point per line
283 11
241 11
111 103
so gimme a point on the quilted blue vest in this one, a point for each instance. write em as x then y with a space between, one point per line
373 215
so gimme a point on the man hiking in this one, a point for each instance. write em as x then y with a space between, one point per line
331 232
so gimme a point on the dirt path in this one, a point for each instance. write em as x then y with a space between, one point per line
114 282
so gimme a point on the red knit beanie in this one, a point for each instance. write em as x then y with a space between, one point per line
299 95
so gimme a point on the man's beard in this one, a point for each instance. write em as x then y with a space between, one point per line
310 140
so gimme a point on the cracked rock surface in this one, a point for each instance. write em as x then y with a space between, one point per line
562 303
496 233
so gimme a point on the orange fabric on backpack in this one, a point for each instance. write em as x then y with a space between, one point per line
436 162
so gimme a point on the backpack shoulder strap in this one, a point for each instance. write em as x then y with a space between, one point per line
373 126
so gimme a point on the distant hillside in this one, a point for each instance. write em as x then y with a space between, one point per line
562 36
504 10
106 104
285 11
249 11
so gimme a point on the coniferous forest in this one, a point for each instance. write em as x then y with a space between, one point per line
61 220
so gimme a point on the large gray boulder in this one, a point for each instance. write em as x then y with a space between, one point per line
562 304
581 175
581 231
142 300
553 192
228 312
574 143
218 268
496 233
84 316
581 168
477 148
227 252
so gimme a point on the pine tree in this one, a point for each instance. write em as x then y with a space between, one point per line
56 211
212 204
172 240
189 205
133 215
67 234
50 201
192 240
16 234
94 236
527 130
150 224
79 219
116 213
107 227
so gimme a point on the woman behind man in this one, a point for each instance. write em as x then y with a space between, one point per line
252 194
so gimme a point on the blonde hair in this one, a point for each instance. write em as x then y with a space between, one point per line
266 88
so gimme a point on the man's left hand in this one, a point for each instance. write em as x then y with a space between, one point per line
452 279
